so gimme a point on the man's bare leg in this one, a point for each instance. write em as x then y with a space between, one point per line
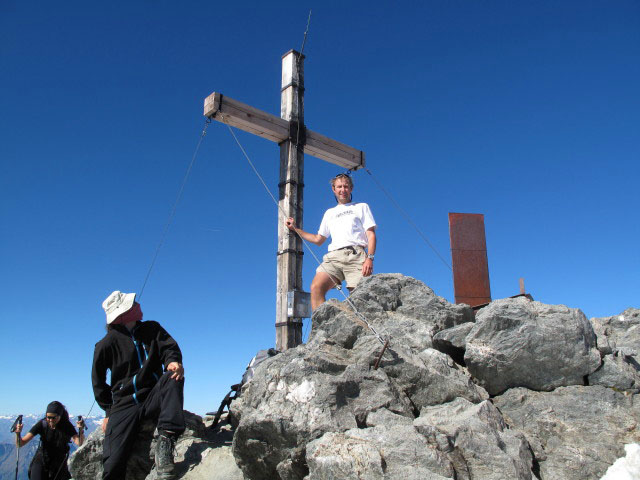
321 284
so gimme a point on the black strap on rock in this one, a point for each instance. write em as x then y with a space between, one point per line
226 403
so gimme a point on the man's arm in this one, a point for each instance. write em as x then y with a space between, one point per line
101 390
367 266
177 369
170 354
316 239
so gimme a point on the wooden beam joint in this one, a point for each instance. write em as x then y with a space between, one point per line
297 133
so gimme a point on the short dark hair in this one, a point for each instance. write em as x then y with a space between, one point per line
344 176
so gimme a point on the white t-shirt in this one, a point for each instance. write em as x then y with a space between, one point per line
347 225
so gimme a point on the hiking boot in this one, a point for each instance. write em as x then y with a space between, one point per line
164 456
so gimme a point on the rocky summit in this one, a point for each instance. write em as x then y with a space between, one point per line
516 390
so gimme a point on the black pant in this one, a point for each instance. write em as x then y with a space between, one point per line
164 403
57 471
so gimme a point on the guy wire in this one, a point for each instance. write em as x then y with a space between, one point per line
408 218
175 205
94 402
304 40
299 59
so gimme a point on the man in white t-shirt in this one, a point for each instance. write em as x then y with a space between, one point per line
352 230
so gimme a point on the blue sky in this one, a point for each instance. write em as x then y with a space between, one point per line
527 112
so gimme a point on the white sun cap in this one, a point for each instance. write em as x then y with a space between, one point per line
117 303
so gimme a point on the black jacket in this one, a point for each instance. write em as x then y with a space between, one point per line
136 361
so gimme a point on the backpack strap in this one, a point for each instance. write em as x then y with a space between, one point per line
45 428
226 402
43 435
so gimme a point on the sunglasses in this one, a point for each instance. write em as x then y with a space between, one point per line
54 417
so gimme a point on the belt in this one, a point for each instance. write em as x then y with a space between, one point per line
350 247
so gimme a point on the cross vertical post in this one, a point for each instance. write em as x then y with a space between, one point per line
289 329
294 139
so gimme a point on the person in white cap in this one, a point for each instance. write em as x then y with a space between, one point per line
147 381
352 230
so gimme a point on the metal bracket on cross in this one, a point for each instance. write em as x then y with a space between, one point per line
298 304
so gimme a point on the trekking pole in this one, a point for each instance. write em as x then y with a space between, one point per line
17 459
13 429
84 425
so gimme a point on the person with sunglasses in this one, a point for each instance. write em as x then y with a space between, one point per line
147 382
56 432
352 229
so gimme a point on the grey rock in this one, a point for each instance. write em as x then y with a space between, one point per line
86 461
414 304
599 328
298 396
386 417
329 385
338 455
394 305
430 377
619 372
520 343
575 432
619 332
216 462
196 449
381 452
452 341
477 440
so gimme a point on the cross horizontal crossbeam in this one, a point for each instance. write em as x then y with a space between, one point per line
240 115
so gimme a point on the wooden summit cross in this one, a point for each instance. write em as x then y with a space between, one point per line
295 140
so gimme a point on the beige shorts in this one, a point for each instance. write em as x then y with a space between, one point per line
344 265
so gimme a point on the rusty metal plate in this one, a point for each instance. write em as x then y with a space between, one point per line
469 258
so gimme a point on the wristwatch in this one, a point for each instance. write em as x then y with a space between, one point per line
370 256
